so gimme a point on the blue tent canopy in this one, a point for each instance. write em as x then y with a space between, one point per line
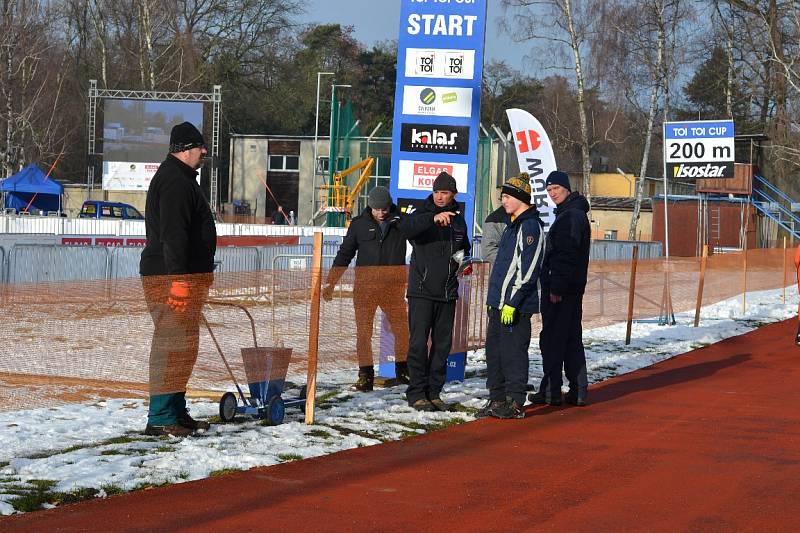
31 183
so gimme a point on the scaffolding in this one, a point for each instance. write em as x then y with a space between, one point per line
214 97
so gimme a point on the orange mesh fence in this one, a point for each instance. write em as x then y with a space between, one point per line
72 341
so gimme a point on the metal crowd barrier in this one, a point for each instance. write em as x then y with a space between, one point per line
602 250
34 263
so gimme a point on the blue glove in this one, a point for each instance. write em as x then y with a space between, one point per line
507 315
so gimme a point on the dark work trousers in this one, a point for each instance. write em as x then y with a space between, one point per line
393 304
561 344
507 356
176 340
427 368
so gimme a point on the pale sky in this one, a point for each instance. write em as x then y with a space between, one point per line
379 20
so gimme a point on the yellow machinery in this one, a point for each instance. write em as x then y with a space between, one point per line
341 198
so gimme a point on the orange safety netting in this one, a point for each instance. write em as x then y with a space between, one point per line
71 341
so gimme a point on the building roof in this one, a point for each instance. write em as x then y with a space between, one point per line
613 203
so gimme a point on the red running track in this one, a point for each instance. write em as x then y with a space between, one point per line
707 441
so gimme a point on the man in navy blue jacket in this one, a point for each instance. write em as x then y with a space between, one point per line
564 274
512 298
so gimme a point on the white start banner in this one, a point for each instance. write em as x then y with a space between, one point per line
419 175
128 175
535 156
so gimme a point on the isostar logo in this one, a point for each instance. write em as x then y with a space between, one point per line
419 175
434 138
440 63
437 101
709 170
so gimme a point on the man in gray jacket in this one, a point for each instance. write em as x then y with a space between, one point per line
493 228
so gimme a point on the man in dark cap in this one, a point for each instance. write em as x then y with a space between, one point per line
379 281
177 266
564 274
438 234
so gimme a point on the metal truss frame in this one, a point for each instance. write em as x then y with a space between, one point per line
214 98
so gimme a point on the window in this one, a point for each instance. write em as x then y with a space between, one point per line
89 209
285 163
610 235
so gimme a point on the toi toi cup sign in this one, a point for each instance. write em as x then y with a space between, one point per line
699 149
437 98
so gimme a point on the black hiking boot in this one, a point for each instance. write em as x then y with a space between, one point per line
171 430
401 373
440 405
187 421
539 398
578 400
366 379
424 405
489 408
797 337
510 409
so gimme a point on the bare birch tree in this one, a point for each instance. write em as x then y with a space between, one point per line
563 25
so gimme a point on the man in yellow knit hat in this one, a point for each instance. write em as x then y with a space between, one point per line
512 298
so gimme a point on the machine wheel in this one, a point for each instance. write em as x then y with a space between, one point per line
275 411
227 407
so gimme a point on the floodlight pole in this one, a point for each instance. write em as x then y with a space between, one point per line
316 135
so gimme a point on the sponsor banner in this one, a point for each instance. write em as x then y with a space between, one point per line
419 175
85 240
535 156
435 138
437 101
128 175
699 149
439 70
435 63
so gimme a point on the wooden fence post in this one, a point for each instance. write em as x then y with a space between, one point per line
703 262
631 291
313 327
744 281
785 267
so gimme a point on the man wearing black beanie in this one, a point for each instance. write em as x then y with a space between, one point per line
375 241
438 235
177 266
564 274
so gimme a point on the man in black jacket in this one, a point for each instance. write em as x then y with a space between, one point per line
437 233
564 274
176 267
379 243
